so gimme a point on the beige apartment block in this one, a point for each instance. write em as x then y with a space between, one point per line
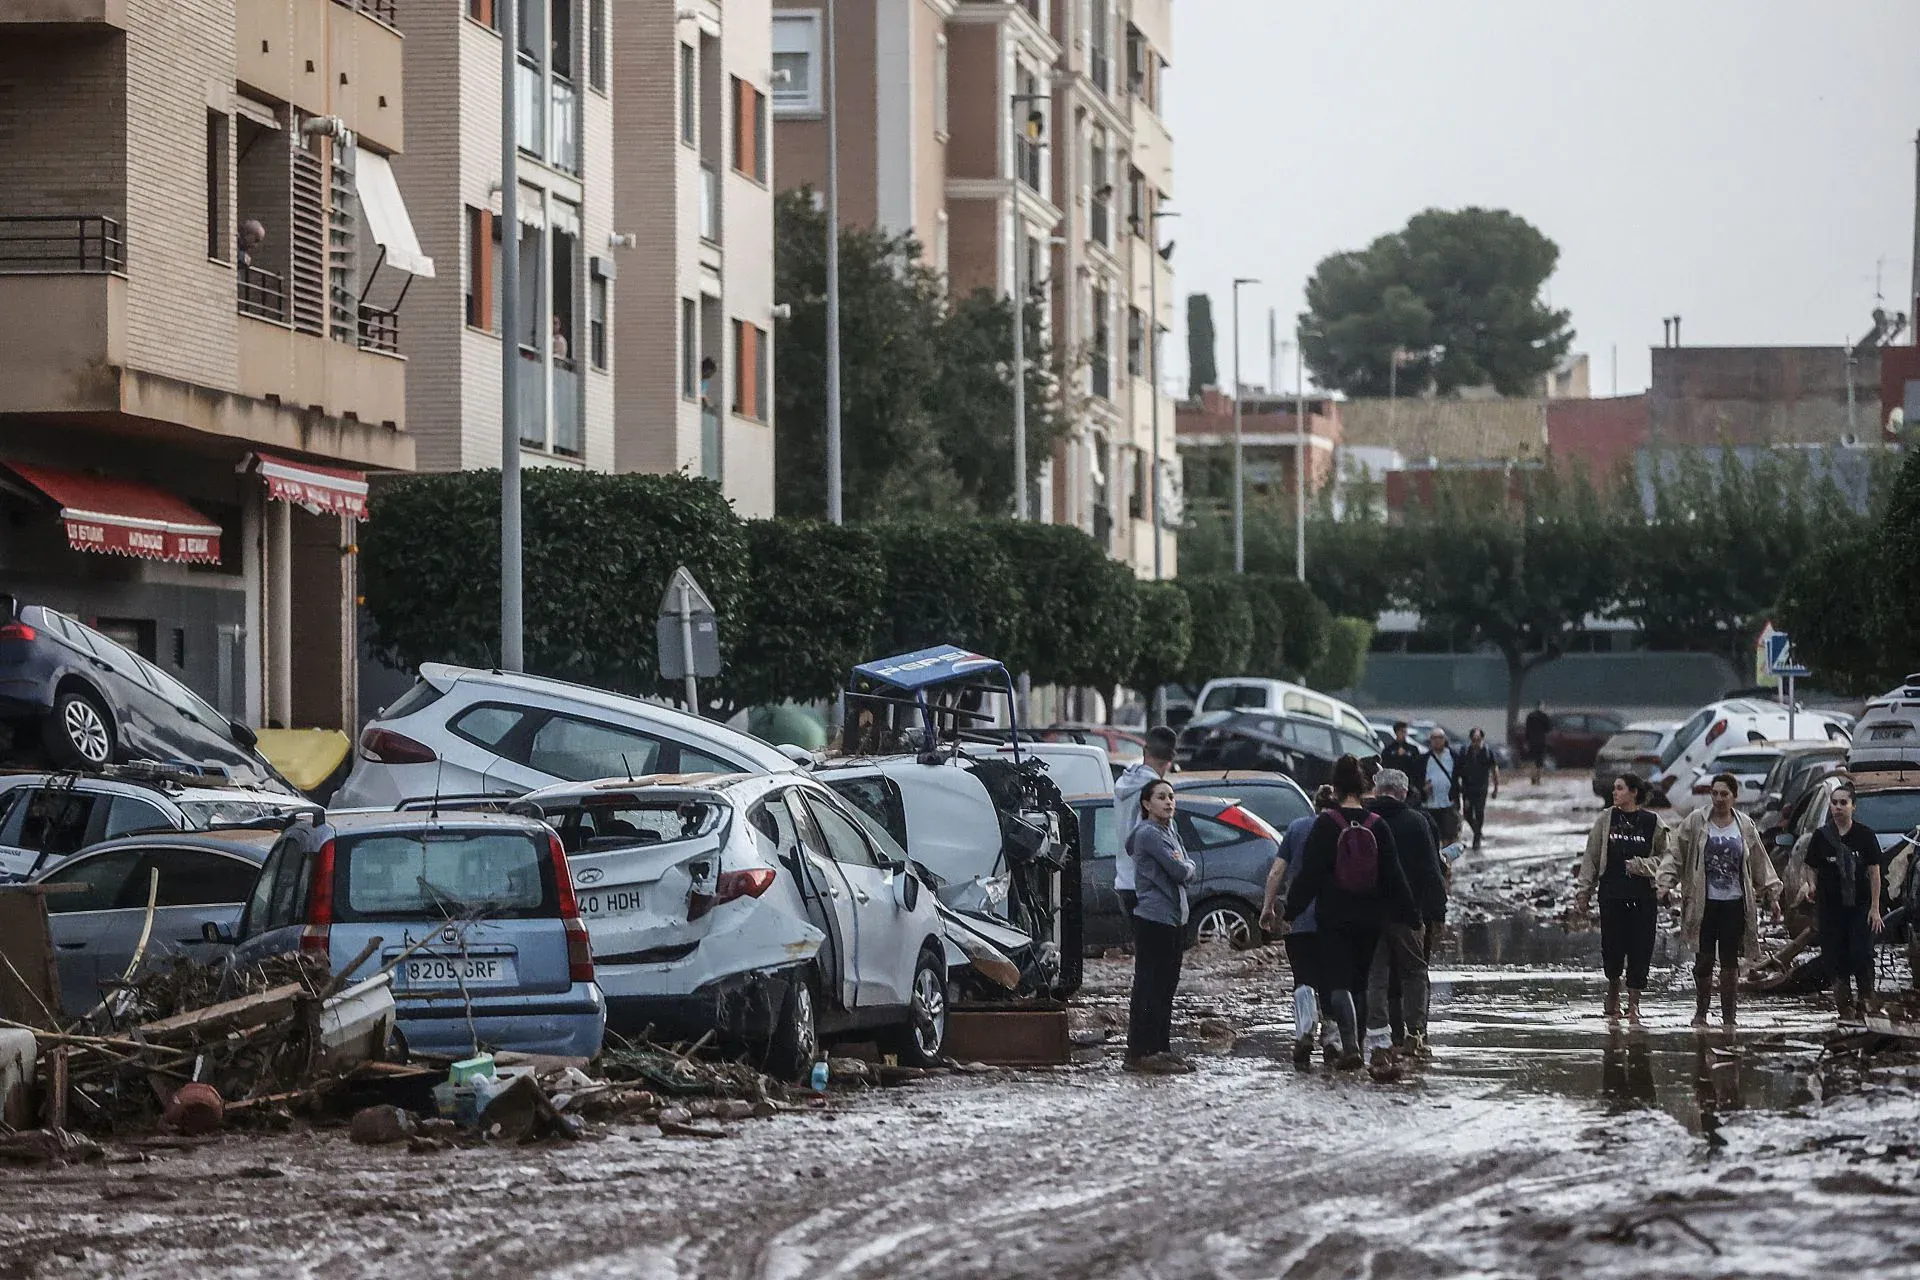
693 187
203 253
1004 132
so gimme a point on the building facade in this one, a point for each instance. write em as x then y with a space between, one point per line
645 238
1021 144
202 256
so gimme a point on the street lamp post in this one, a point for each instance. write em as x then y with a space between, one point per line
512 647
1034 124
1299 459
1239 449
835 509
1153 367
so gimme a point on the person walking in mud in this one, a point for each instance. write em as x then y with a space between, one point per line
1624 852
1539 724
1846 861
1404 949
1478 770
1720 870
1161 873
1351 876
1155 763
1439 783
1312 997
1402 753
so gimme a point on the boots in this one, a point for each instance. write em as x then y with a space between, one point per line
1702 997
1729 996
1382 1066
1843 1001
1343 1016
1633 1007
1306 1012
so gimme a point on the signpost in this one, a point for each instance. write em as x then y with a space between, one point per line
688 639
1779 653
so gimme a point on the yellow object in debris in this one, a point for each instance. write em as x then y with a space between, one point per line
305 757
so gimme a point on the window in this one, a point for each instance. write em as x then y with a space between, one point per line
578 750
749 371
290 887
487 725
483 286
879 799
1102 346
689 87
1106 830
1100 50
749 130
1141 490
260 900
1204 833
597 44
845 841
1139 210
796 58
438 873
190 878
597 320
127 815
773 823
1229 697
1100 186
689 349
219 246
1136 343
56 822
1314 737
100 877
481 11
940 86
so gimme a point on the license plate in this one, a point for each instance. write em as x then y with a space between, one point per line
453 971
612 902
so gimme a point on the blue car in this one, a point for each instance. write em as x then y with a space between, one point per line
477 908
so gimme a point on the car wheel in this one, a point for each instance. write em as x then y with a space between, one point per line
1224 920
78 734
922 1041
796 1037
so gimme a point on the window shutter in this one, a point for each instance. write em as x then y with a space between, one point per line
483 268
747 371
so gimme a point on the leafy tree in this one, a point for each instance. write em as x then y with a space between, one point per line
1354 559
814 599
970 405
1202 369
1465 284
1307 630
1165 636
948 582
1344 663
1082 608
1222 627
1267 607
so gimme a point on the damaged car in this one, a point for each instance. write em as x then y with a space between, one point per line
754 907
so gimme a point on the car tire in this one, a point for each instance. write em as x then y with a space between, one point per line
922 1040
1224 919
79 734
795 1043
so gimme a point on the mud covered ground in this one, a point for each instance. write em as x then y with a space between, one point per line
1537 1143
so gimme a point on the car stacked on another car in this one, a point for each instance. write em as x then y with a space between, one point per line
1250 693
1303 748
1728 723
758 907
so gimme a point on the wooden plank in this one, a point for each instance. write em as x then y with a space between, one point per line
255 1010
1009 1038
57 1088
29 979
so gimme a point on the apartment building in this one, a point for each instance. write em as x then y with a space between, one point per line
203 254
1020 141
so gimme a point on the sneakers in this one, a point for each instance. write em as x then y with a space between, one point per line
1382 1067
1158 1064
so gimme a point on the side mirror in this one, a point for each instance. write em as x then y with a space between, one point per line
243 735
215 933
906 886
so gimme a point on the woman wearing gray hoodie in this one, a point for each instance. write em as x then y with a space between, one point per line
1161 873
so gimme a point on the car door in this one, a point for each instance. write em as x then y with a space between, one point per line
194 730
778 834
885 944
1103 921
144 733
81 916
196 887
817 864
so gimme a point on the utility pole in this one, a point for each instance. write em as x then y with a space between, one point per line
1239 447
512 645
1153 368
1913 294
1273 354
1018 242
835 509
1299 460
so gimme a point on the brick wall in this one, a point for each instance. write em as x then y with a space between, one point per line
63 125
1599 436
1449 430
1758 395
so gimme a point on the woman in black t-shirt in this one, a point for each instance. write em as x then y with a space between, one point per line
1624 850
1845 858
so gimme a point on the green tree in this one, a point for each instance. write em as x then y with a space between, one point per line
947 582
1460 290
1083 611
1202 371
1222 627
970 405
1165 637
1344 663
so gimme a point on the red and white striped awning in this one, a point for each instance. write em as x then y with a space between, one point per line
125 517
321 490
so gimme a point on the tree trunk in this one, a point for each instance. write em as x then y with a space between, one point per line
1516 676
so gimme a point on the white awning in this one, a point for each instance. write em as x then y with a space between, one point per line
387 214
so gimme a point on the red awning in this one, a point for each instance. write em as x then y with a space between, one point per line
125 517
318 489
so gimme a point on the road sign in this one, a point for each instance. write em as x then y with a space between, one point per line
1780 655
688 637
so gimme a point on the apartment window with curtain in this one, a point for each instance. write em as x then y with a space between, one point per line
749 131
796 62
689 95
749 371
483 285
689 349
1100 45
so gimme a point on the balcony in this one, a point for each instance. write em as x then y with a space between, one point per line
709 204
566 127
530 398
262 294
1100 221
47 244
566 407
379 329
383 11
1028 160
65 13
1100 70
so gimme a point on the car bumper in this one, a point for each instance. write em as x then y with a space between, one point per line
740 1006
24 696
571 1024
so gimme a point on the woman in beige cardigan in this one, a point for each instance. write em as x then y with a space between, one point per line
1721 871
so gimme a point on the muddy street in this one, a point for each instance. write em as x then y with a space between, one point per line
1538 1142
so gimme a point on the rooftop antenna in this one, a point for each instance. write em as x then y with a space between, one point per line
433 810
627 765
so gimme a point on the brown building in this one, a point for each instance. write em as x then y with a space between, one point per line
202 247
1022 144
1270 442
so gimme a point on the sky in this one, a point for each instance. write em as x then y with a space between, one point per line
1747 165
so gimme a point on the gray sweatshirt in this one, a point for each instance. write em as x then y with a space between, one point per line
1161 872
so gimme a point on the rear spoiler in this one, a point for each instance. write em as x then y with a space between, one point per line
479 801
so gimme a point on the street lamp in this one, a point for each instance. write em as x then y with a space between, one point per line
835 510
1153 364
1299 458
1239 450
1035 127
512 648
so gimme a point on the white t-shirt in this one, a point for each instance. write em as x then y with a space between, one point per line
1724 850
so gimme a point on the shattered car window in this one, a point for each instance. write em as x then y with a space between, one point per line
592 828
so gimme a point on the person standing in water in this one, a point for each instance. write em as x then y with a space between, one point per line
1721 871
1162 871
1845 858
1624 852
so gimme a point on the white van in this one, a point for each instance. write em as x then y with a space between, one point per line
1252 693
1719 726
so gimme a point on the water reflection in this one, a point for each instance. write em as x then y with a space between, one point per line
1626 1075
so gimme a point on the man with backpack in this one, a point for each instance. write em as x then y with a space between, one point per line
1350 874
1402 952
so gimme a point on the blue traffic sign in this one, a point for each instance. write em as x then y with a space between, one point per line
1780 656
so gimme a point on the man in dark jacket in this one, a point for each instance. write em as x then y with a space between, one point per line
1403 947
1403 754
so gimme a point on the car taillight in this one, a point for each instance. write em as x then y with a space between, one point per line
1719 727
750 883
317 938
579 941
18 631
384 746
1251 823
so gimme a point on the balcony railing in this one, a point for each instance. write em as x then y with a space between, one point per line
566 130
38 244
379 329
566 407
380 10
530 398
709 204
261 293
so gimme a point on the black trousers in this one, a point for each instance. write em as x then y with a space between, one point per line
1723 929
1128 900
1156 976
1448 821
1305 956
1348 957
1627 927
1846 943
1476 811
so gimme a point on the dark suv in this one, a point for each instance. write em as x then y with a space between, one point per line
86 701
